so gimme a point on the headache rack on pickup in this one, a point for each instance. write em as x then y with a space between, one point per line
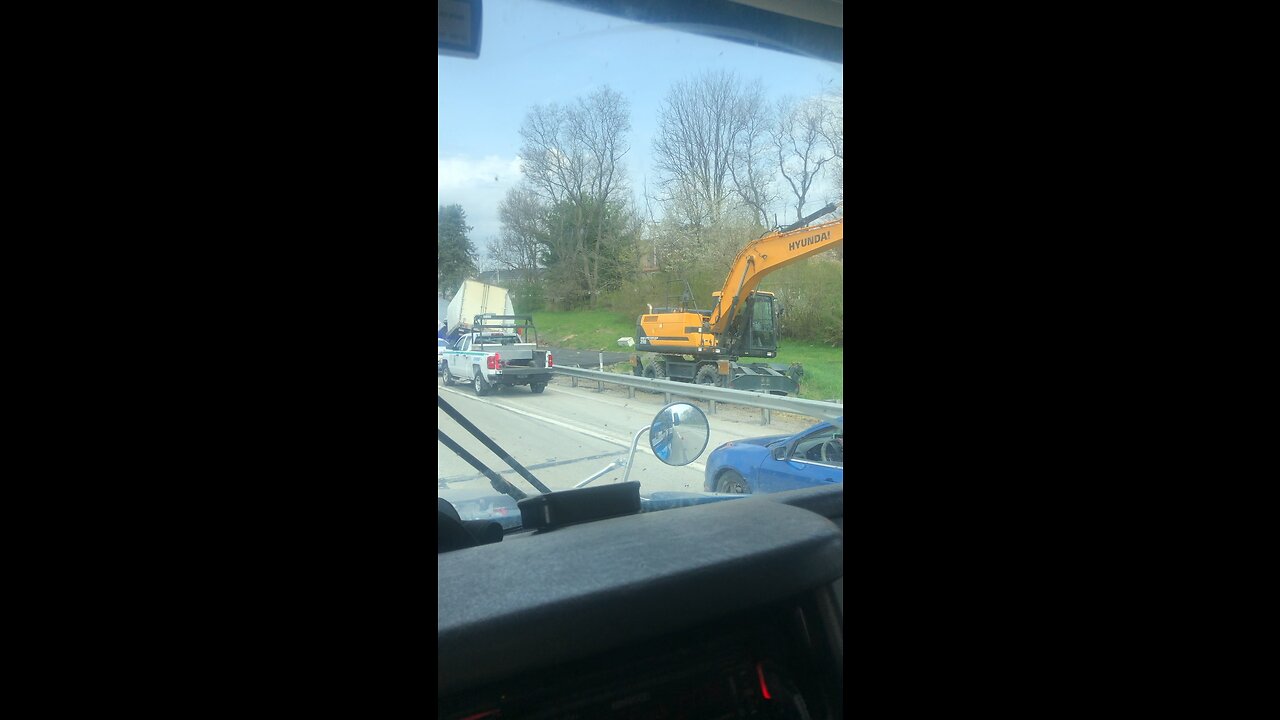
490 324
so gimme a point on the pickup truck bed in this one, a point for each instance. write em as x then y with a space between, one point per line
488 362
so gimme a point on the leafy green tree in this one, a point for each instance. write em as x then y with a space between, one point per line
591 248
456 255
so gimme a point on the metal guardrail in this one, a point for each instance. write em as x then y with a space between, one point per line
669 388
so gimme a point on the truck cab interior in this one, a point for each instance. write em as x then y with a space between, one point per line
732 608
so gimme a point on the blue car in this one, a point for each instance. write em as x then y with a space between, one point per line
778 462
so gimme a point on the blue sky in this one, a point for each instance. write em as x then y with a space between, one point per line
538 53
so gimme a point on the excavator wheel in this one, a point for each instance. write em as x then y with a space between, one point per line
655 370
707 375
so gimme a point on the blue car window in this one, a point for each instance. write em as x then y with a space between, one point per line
810 447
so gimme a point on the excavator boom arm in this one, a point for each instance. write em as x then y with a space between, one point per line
771 252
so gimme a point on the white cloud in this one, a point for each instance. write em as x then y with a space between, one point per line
478 185
461 173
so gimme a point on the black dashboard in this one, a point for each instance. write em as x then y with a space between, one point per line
731 609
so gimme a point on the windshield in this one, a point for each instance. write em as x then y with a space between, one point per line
588 163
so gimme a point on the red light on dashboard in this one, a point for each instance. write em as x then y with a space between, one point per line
763 688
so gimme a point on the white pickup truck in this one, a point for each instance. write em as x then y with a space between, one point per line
495 357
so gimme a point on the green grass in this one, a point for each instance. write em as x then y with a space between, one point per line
584 329
600 330
823 368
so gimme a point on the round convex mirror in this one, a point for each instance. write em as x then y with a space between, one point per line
679 433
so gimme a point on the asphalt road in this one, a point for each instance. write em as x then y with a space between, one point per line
566 434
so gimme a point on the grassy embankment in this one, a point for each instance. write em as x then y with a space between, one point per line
600 329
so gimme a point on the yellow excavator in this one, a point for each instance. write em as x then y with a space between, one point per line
704 346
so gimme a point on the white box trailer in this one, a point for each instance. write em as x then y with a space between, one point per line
472 299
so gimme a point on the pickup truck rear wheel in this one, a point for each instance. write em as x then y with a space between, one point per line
444 373
537 387
481 385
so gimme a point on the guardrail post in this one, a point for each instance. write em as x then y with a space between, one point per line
599 386
631 392
573 381
711 409
765 416
667 398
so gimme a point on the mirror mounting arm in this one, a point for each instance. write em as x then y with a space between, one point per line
632 456
617 463
668 445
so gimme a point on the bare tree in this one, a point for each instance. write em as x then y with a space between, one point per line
833 133
600 127
523 239
551 165
574 154
801 148
698 123
752 166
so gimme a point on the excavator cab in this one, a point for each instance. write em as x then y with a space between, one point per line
758 333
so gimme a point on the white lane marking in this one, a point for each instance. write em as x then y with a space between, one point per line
589 433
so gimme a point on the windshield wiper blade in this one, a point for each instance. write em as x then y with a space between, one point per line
497 481
475 431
